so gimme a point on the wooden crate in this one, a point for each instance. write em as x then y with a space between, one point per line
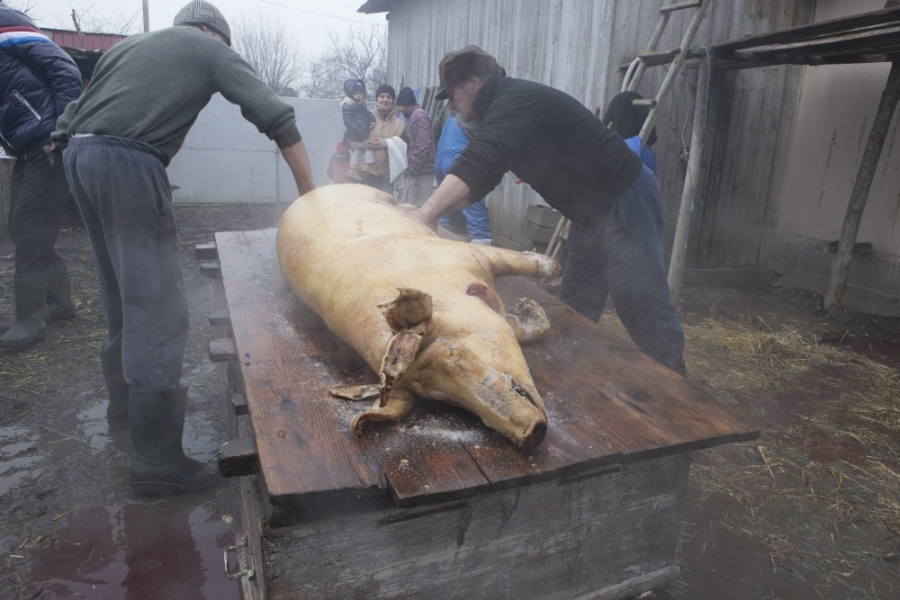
437 505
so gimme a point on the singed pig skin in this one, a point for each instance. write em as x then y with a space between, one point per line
346 249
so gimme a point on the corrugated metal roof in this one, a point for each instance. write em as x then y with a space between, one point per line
92 41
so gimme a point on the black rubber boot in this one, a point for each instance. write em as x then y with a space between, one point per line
31 300
156 423
117 409
59 294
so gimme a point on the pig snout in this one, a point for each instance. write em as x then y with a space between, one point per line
513 409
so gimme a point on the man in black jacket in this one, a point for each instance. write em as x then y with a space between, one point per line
37 80
582 169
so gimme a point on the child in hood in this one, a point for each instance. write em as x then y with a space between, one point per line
358 122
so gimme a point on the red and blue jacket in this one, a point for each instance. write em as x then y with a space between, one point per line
37 80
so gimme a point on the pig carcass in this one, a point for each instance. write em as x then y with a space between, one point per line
420 310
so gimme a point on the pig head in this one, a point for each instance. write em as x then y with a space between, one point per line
420 310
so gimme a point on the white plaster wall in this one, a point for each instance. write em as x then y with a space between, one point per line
837 107
225 159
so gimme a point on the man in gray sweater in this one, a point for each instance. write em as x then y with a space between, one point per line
145 95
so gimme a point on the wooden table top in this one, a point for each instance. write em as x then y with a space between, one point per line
607 402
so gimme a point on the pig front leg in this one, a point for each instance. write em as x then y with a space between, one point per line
398 405
501 261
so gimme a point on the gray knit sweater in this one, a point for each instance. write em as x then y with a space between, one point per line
151 86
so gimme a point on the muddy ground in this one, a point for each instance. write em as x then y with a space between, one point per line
810 510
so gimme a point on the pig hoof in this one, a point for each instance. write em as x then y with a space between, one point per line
529 321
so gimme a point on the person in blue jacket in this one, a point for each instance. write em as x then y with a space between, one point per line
454 137
37 80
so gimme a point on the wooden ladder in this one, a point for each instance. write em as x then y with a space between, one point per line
651 55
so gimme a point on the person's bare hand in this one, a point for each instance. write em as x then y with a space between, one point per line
413 211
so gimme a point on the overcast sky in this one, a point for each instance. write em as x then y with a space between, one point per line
310 20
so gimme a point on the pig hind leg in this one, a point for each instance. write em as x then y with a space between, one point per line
501 261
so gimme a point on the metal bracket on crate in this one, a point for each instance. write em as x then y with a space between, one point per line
249 572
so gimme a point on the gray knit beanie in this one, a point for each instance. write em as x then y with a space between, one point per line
200 12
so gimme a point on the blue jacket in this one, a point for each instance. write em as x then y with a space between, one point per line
453 141
37 80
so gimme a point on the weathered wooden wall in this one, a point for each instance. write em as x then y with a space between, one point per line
578 46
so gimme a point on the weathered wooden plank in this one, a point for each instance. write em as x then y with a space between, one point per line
632 407
608 536
303 449
237 458
873 21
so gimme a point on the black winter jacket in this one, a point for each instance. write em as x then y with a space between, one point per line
550 141
37 80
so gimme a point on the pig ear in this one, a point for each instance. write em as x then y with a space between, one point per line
356 392
411 308
400 355
529 321
398 405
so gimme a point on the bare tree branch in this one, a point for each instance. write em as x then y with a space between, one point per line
91 22
272 51
359 54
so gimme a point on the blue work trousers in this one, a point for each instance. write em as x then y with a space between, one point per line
123 192
622 257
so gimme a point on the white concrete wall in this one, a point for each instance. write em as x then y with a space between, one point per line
225 159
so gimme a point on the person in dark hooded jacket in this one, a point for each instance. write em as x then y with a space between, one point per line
626 119
358 122
37 80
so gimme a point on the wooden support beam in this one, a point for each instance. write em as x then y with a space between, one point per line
211 269
860 194
222 350
206 251
219 318
691 183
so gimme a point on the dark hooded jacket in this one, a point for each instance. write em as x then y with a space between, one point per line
37 80
357 117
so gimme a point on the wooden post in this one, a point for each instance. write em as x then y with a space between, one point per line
861 187
145 8
691 183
